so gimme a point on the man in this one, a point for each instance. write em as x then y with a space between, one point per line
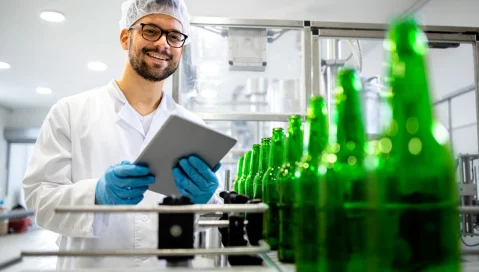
83 152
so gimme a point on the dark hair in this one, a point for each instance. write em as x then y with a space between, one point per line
170 3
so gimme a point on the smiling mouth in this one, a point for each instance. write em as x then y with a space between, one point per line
156 56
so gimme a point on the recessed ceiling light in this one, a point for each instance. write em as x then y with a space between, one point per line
52 16
42 90
97 66
4 66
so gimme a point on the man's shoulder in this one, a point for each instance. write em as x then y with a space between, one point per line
78 103
85 96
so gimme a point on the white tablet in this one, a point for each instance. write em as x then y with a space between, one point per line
179 138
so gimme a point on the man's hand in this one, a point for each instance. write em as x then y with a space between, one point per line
123 184
195 179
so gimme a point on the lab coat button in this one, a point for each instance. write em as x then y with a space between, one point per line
144 258
144 218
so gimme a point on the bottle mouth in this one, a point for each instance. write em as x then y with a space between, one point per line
295 117
317 108
266 140
348 81
406 38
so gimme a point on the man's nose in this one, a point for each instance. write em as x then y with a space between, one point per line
162 42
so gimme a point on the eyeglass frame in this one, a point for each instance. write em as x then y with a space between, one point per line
161 35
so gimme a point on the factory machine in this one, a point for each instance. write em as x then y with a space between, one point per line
245 77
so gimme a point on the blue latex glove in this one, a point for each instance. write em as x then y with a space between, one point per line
123 184
195 179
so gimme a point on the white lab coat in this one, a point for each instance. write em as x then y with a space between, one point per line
81 137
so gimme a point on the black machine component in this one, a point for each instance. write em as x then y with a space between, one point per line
234 234
176 231
254 228
443 45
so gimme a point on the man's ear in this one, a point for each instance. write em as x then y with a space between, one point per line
125 39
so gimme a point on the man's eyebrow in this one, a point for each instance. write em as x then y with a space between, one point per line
170 29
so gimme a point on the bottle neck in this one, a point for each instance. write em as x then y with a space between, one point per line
294 147
350 132
254 163
265 150
246 165
411 104
276 154
316 131
240 168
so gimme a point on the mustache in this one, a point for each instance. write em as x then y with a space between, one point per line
163 52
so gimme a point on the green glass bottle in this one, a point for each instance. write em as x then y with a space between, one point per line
253 170
239 173
263 166
343 185
306 187
286 179
246 169
419 188
271 190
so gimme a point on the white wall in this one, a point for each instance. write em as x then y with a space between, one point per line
18 118
19 157
27 118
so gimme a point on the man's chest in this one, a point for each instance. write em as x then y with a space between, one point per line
98 143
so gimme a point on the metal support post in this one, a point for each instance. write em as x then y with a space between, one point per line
467 200
449 123
317 64
175 92
307 36
475 47
227 180
332 53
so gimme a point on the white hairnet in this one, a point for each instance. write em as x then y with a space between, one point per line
134 10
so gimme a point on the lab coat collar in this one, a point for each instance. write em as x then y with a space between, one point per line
129 115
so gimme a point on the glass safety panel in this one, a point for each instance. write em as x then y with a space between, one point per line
368 58
451 83
251 70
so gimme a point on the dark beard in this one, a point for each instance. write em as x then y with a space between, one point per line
152 74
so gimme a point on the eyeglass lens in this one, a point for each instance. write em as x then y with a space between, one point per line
153 33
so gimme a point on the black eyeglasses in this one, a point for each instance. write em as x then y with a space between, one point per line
153 33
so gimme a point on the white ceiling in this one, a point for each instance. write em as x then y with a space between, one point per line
56 55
